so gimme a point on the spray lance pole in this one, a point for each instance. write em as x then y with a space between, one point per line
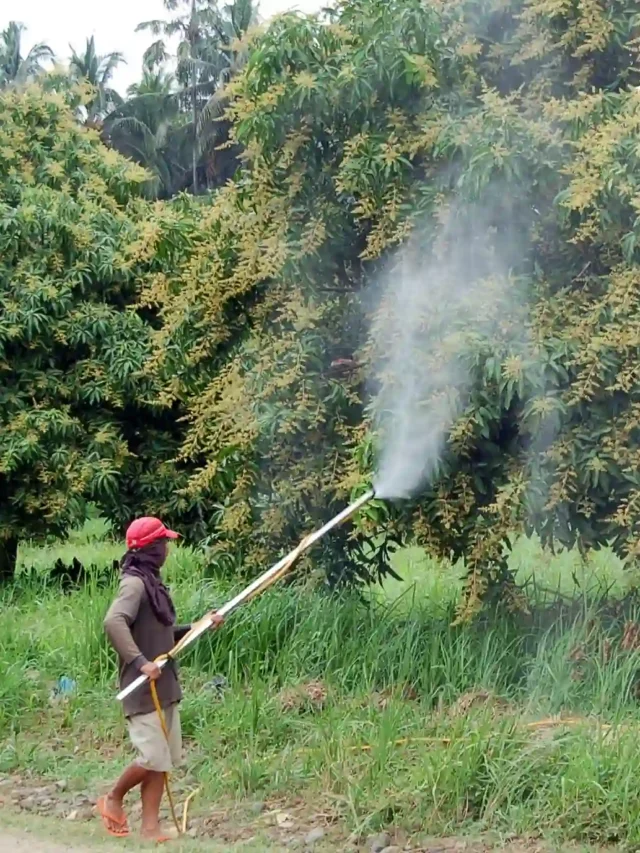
255 588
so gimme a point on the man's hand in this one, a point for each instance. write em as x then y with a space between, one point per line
151 670
216 621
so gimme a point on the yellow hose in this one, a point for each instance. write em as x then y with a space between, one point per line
163 723
174 651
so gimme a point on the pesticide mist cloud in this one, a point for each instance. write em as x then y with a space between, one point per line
440 302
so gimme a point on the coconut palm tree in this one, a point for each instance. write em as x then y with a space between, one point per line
16 69
148 128
231 24
195 72
205 58
235 18
98 71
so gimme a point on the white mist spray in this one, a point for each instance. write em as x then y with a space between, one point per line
440 301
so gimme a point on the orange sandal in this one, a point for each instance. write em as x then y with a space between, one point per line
161 839
116 826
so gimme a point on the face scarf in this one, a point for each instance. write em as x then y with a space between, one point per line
145 563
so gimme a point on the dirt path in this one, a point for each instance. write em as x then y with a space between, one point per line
15 839
52 836
25 842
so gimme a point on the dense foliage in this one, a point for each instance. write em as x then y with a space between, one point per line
465 130
79 420
357 131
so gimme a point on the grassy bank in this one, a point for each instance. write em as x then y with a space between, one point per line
378 714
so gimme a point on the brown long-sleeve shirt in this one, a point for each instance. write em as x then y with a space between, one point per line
138 636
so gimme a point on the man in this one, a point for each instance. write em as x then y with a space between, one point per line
141 626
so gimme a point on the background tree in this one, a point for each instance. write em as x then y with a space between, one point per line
197 61
149 128
15 68
79 421
97 71
205 58
231 24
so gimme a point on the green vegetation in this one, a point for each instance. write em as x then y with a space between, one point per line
16 68
349 136
185 331
79 420
306 694
383 125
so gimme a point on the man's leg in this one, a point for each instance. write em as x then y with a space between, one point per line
110 806
163 756
133 776
152 788
141 731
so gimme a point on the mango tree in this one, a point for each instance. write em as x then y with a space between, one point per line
80 421
361 130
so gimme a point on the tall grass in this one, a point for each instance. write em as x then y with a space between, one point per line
408 729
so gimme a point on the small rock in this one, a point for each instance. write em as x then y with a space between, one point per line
284 820
377 843
86 813
314 836
392 849
61 784
28 803
256 808
193 832
73 815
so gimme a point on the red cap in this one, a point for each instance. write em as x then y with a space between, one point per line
144 531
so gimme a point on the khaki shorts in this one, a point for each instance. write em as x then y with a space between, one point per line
147 736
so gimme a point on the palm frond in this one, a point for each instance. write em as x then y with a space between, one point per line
211 113
39 52
108 65
157 28
172 28
153 83
129 124
155 55
14 68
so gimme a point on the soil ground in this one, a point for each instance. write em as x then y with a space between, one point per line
19 834
39 815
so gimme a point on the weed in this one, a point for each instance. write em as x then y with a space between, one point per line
378 711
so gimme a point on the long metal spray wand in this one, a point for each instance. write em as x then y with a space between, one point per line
254 588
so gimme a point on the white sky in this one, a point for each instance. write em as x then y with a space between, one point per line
59 23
